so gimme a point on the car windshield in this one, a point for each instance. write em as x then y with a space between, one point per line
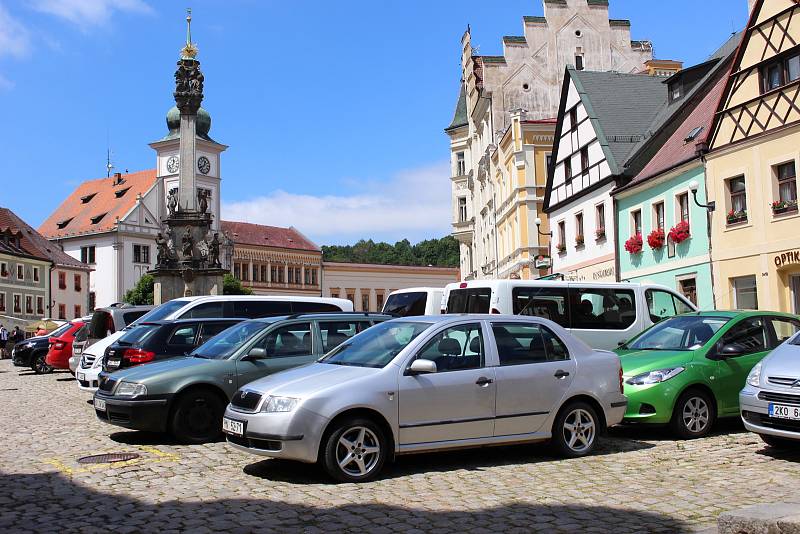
160 312
376 346
138 333
60 330
224 344
684 332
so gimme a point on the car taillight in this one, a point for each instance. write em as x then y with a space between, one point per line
138 355
621 383
58 345
494 311
462 285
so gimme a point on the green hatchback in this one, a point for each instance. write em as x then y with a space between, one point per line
686 371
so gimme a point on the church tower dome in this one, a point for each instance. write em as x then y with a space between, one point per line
202 125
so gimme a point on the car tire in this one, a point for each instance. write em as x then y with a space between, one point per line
777 442
355 450
197 417
694 414
575 430
39 364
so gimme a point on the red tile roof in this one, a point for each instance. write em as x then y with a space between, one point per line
35 244
80 212
677 151
272 236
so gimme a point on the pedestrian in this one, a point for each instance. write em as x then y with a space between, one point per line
15 337
3 342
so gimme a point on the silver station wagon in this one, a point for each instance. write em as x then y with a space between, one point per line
426 383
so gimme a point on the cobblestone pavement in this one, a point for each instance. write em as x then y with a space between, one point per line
637 482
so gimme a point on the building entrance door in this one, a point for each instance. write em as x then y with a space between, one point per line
795 285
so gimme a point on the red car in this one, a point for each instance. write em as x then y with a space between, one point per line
61 347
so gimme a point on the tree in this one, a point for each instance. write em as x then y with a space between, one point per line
142 292
232 286
437 252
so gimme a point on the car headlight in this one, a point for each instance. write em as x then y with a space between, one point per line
129 389
654 377
754 378
279 404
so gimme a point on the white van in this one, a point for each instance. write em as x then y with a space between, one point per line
214 306
414 301
602 315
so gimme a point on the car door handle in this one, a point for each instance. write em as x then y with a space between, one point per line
483 381
561 374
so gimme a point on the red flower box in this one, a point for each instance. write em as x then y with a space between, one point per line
679 232
656 239
634 244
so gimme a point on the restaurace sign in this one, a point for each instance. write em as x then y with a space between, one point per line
785 258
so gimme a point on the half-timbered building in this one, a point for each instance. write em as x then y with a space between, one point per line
751 169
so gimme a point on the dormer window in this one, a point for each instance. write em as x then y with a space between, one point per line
675 90
121 192
63 224
97 218
87 198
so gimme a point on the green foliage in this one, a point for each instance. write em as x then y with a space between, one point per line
232 286
436 252
142 292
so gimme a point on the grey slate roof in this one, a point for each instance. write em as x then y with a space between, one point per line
622 108
460 115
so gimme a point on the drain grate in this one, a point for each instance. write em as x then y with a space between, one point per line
108 458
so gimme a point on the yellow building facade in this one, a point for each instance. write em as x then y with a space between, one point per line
751 168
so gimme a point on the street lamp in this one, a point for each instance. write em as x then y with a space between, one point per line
538 222
694 186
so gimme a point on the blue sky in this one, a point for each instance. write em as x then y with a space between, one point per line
333 110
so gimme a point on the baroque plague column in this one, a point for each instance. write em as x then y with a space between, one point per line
188 251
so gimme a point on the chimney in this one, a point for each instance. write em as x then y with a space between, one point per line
117 178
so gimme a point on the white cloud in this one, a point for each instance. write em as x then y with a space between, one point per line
86 13
15 40
414 204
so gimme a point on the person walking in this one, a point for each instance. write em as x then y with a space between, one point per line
3 342
15 337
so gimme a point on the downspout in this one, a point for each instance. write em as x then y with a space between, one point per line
702 149
614 209
50 300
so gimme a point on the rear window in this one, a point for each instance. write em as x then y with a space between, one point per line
129 317
469 300
102 324
162 312
314 307
211 310
138 334
253 309
406 304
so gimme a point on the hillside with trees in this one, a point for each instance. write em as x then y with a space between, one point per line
436 252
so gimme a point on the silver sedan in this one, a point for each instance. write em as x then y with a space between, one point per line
425 383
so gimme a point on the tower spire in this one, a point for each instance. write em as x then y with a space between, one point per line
189 51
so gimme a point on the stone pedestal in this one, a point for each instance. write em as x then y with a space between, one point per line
173 283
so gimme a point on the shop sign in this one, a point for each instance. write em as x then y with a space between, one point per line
785 258
542 262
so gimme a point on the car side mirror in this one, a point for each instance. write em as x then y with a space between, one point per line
256 353
422 367
731 350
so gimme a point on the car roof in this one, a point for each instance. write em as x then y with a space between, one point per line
740 313
325 315
194 320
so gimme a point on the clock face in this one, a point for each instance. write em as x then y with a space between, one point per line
173 164
203 165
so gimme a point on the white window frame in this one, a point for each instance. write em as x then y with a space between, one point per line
21 266
20 302
677 209
638 210
734 291
654 215
39 299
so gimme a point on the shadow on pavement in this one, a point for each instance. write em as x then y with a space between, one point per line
138 437
790 453
476 459
24 495
728 425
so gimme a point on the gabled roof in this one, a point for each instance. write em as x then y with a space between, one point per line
460 114
621 107
95 204
33 243
268 236
679 149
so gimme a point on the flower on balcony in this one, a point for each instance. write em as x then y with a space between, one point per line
679 232
656 238
561 247
734 216
578 240
634 244
780 206
600 233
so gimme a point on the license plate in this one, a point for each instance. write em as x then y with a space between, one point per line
81 377
232 427
781 411
100 404
113 363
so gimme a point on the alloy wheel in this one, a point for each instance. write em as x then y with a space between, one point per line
696 415
358 451
579 430
40 365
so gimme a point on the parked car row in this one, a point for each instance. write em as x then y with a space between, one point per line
308 379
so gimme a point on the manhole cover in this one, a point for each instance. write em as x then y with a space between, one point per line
108 458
